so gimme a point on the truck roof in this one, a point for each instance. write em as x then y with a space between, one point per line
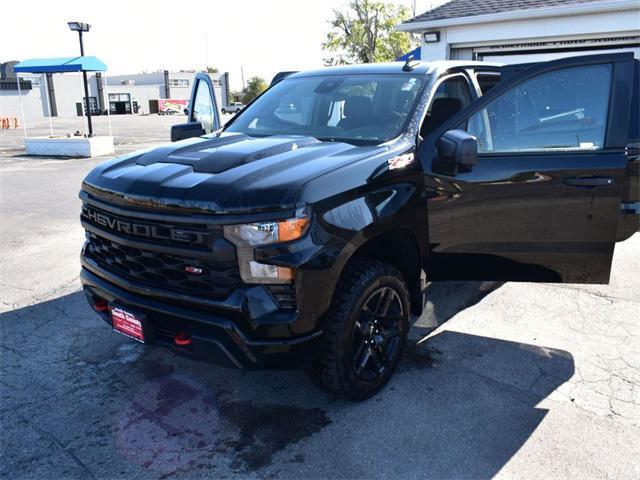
419 68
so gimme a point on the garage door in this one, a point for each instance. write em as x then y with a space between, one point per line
533 56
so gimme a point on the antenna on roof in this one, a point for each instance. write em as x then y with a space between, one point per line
409 64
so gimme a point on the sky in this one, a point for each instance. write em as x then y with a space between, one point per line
263 37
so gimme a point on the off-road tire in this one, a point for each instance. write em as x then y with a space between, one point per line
333 371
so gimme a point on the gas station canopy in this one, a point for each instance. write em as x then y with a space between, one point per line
68 145
61 64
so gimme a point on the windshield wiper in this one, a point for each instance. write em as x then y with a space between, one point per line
350 141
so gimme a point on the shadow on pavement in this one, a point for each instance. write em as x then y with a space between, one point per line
443 300
79 401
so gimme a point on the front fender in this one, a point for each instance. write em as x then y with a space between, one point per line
337 232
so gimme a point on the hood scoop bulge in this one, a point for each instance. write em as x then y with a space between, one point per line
227 151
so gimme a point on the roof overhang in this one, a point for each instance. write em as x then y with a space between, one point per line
555 11
60 65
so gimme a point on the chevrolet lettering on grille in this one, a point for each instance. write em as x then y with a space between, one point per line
144 230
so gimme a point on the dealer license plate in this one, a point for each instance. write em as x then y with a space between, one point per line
127 323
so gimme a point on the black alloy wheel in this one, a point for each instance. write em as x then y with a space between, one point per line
376 334
364 330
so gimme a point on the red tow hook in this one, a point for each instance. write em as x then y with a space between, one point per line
101 306
182 339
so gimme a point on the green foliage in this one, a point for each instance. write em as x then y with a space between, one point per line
213 70
255 86
365 33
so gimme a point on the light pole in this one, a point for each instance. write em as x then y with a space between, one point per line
83 27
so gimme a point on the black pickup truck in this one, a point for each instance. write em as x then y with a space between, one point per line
303 231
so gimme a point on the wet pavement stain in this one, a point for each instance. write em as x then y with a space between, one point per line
264 430
152 369
168 424
175 424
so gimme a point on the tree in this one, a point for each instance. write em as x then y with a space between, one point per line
365 33
213 70
255 86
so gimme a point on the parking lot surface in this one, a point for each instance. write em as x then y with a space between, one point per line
509 380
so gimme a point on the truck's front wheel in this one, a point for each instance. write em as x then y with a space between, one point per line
365 330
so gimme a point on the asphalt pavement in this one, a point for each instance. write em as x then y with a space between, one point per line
507 380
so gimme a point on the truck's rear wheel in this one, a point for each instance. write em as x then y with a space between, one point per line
365 330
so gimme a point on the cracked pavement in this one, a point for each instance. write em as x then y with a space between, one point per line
500 380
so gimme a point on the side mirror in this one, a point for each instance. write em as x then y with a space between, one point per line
458 148
186 130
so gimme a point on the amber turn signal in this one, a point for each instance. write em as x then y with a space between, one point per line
292 228
285 273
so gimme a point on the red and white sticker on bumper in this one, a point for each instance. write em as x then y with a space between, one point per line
127 323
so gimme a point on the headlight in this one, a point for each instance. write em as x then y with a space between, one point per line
247 236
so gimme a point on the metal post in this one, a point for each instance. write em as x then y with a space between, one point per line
167 89
24 125
82 113
52 94
98 77
86 88
106 92
46 90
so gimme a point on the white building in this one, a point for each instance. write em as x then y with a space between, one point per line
520 31
146 88
124 94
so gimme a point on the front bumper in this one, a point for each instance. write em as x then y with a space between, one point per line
218 329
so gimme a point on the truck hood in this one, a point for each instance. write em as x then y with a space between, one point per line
229 173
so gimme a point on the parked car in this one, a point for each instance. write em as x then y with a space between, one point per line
303 232
233 108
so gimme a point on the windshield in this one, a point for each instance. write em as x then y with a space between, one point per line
358 109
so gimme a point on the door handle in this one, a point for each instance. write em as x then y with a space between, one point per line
588 182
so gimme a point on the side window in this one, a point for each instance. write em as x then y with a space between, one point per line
451 96
203 108
487 81
560 110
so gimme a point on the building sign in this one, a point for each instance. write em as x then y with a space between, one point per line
168 105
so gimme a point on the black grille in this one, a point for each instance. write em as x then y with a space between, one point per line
164 271
158 232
